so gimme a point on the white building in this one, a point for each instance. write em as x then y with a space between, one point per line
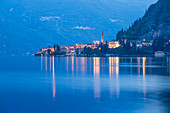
113 44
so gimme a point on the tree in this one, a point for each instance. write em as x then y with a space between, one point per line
88 51
49 51
77 51
119 35
54 47
58 48
159 44
104 48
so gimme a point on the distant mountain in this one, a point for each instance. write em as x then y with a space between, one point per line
155 23
27 25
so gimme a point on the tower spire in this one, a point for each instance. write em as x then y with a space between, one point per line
102 38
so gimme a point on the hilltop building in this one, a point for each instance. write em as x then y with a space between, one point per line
143 43
147 43
138 45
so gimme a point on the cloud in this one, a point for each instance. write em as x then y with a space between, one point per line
113 20
83 28
48 18
11 10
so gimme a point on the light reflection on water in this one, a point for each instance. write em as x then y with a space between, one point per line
54 85
95 84
98 66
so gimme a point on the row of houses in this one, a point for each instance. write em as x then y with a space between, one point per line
45 50
80 47
138 43
72 49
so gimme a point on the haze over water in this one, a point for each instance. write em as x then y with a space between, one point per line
84 85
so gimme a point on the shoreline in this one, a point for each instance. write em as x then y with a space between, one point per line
122 55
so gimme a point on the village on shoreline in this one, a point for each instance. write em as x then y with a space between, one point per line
123 47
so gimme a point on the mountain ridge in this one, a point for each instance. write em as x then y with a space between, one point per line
22 29
155 23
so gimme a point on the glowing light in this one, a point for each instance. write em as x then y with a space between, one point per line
114 44
67 64
117 76
96 65
96 42
138 60
72 64
96 68
46 63
72 51
144 69
41 62
83 63
54 87
111 72
131 65
117 66
144 73
111 68
50 64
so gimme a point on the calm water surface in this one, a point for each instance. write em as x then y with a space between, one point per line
84 85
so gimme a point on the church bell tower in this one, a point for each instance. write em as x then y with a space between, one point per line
102 38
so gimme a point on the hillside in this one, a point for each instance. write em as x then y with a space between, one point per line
27 25
155 22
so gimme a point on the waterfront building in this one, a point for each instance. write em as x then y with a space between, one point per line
124 41
96 42
113 44
138 45
39 51
147 43
50 48
71 49
132 42
70 54
159 54
90 45
81 46
143 43
63 49
44 49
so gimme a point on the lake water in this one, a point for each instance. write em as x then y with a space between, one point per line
84 85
